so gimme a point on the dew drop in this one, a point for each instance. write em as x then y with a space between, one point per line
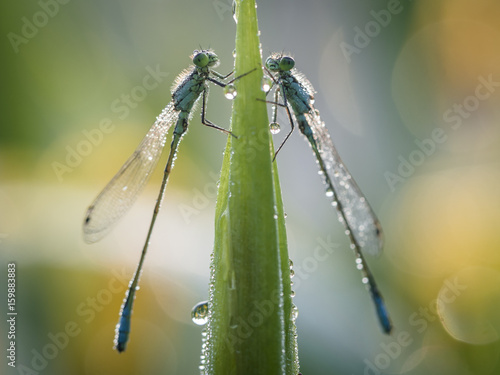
294 312
234 53
329 192
266 83
276 216
230 92
199 314
292 293
274 127
292 273
334 203
234 7
285 215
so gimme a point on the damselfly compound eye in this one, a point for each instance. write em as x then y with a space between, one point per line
287 63
201 60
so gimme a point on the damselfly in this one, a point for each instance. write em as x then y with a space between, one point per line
120 193
362 226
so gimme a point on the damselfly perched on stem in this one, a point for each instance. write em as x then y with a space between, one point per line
121 192
362 226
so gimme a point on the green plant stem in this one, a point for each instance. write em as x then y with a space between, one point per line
250 328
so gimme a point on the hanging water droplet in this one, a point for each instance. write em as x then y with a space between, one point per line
292 272
266 83
329 192
199 314
334 203
275 216
294 312
234 53
285 215
292 293
230 92
274 127
234 7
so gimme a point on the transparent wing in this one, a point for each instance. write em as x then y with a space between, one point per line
121 192
360 217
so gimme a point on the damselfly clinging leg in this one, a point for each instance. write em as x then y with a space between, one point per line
120 193
362 226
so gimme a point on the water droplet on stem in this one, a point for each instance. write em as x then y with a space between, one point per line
199 313
266 83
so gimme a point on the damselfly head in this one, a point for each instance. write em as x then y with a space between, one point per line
205 58
280 63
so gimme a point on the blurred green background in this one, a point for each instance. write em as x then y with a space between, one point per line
409 93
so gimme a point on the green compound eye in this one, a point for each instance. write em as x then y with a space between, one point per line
201 60
287 63
272 64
